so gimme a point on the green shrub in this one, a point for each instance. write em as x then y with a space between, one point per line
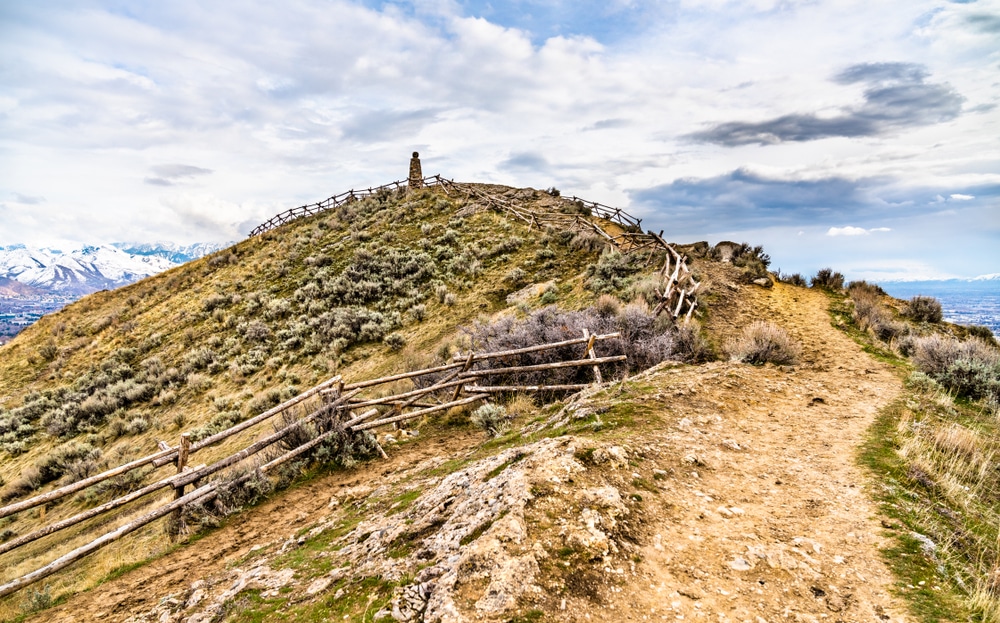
36 600
492 419
763 342
923 309
982 333
550 296
394 341
828 279
516 276
612 272
970 368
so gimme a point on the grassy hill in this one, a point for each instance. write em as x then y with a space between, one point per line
653 495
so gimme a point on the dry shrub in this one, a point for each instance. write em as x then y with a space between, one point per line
644 340
869 313
923 309
690 345
971 368
763 342
795 279
521 405
607 306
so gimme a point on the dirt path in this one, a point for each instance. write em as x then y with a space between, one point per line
760 513
764 515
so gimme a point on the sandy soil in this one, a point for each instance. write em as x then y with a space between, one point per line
760 513
764 515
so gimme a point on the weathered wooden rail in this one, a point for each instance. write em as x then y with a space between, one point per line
676 294
335 201
335 410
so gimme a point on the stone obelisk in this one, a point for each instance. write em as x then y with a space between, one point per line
416 175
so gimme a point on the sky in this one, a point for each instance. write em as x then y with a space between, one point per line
858 135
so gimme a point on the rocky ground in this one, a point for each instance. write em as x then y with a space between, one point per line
721 492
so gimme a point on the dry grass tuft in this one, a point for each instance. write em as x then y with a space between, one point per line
957 439
763 342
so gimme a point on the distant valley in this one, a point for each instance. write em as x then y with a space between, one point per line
36 281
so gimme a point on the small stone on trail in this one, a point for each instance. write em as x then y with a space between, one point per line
740 565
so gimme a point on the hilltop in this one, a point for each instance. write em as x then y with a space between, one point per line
688 484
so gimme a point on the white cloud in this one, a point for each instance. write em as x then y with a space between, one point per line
846 231
289 104
850 230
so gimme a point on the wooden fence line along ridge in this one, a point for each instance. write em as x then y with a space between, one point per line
338 405
336 201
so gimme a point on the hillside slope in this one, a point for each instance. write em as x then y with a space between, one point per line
713 492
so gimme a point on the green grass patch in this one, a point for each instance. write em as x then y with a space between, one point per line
403 501
642 483
907 500
493 473
311 559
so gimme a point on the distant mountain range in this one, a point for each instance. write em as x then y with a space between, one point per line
33 272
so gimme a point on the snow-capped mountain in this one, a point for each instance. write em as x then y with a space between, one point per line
87 269
176 253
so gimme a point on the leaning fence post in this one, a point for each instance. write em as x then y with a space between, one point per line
465 368
591 355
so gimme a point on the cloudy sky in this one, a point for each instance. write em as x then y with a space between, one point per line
855 134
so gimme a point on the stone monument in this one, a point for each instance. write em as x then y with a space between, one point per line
416 175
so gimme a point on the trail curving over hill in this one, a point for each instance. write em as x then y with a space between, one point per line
759 513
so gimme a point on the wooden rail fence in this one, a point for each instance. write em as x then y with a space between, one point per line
337 410
335 201
676 295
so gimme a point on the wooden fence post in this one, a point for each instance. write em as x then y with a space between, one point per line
465 368
183 450
591 355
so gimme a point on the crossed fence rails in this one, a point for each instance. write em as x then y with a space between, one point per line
336 407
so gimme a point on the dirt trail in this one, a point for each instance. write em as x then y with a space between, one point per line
760 513
764 515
